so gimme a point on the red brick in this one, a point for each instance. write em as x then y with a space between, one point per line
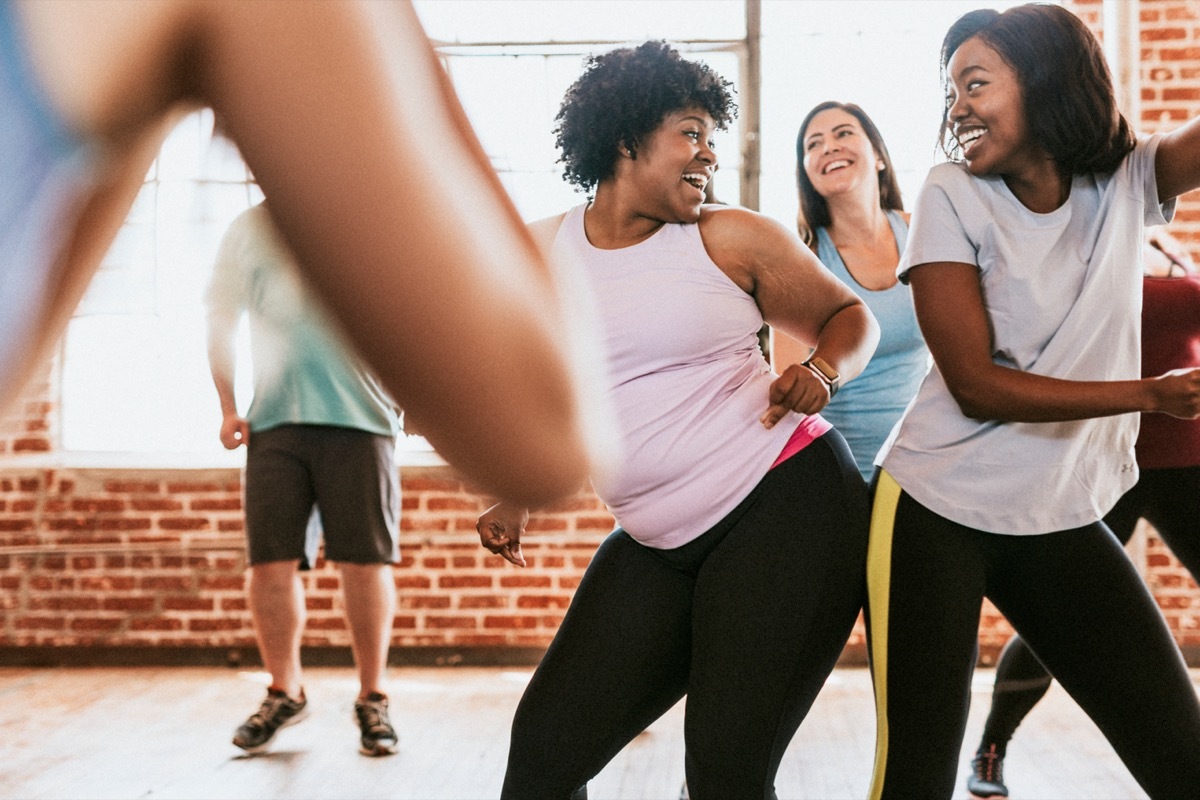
96 505
1163 34
65 603
220 624
1179 54
124 524
130 604
166 583
96 624
155 504
543 601
182 523
413 582
155 624
525 581
193 487
510 623
176 603
226 504
215 583
132 487
450 622
464 581
40 623
453 504
480 640
483 601
422 601
410 485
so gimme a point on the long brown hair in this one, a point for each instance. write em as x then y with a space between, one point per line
814 211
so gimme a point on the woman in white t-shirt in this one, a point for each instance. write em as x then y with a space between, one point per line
1025 266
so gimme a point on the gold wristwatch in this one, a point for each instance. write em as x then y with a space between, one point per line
820 367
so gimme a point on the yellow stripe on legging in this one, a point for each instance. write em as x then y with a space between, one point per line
879 582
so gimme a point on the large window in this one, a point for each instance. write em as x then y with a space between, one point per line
135 374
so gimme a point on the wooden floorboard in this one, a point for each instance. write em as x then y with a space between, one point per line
148 732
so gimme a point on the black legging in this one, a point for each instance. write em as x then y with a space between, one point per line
748 620
1073 594
1169 499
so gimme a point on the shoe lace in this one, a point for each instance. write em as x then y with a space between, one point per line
989 765
372 716
267 711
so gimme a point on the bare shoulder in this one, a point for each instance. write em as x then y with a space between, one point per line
544 230
731 232
741 227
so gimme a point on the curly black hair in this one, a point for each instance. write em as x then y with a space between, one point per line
622 96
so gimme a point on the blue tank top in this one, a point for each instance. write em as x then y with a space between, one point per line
44 169
867 407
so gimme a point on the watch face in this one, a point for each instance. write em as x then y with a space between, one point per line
820 366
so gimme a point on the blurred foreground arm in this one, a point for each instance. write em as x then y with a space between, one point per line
380 189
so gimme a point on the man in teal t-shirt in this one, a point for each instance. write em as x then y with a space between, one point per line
320 434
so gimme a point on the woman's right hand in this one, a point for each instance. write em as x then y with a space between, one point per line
1177 393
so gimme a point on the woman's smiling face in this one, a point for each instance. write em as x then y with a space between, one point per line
838 155
987 112
674 165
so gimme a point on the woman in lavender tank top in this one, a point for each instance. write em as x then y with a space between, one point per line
736 571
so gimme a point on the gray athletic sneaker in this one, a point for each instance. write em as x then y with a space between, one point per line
378 736
277 711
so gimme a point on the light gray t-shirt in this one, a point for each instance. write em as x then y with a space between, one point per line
1063 292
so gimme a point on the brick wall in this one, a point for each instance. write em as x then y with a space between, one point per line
31 425
96 561
154 558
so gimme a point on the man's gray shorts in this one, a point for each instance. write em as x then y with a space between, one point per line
350 477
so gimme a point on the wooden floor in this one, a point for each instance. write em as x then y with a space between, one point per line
164 733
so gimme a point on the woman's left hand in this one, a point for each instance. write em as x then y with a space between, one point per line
797 389
500 529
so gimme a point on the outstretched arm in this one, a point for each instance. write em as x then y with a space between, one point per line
953 319
378 186
1177 161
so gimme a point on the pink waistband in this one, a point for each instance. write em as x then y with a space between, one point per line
808 431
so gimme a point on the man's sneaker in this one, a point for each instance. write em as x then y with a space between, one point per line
378 736
277 711
987 774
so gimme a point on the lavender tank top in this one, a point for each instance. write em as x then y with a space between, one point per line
686 378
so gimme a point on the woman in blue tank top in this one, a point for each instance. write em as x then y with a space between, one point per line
852 215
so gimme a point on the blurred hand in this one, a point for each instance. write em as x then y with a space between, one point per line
500 529
235 432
